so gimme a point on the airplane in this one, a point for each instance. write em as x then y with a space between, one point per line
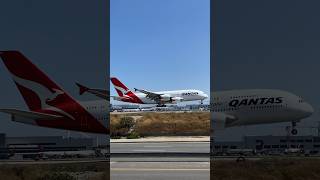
49 105
257 106
146 97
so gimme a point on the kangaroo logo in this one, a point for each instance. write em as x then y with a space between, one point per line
122 90
45 95
54 95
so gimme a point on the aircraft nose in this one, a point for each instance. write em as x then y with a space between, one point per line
205 96
308 109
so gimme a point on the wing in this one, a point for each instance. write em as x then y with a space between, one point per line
154 96
101 93
30 114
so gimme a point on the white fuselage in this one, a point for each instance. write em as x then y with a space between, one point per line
258 106
180 95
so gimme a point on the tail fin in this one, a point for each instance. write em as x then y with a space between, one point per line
37 89
120 88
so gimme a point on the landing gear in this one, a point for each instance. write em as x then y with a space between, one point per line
201 102
294 131
161 105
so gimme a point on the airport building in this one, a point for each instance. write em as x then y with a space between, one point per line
45 143
270 144
36 144
170 107
49 143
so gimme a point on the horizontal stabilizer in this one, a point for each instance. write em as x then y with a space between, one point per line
82 89
30 114
101 93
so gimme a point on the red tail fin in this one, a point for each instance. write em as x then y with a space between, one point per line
120 88
37 89
45 96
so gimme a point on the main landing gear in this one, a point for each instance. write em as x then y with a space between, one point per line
161 105
294 131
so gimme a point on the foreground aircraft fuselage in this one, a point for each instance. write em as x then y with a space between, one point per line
257 106
49 105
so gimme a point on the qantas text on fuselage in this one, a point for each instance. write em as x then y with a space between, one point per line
257 106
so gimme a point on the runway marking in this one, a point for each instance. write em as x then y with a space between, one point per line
148 150
157 146
155 169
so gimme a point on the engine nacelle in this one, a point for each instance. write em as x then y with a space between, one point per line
166 98
176 99
221 121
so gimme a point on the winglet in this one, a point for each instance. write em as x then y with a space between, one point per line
82 89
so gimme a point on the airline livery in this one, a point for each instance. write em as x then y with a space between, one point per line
141 96
257 106
49 105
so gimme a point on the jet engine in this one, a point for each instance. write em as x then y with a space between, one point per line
176 99
221 120
166 98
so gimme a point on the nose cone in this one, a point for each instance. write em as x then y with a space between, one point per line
205 96
309 109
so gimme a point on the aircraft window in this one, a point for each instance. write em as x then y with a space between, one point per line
267 146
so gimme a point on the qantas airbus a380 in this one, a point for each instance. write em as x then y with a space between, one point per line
147 97
49 105
228 108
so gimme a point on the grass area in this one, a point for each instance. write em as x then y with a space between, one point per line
72 171
267 169
166 124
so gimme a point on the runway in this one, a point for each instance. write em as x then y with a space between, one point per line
160 170
160 160
161 147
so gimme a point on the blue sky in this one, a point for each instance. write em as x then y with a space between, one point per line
161 44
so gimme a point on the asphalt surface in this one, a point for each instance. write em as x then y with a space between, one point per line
160 170
160 160
161 147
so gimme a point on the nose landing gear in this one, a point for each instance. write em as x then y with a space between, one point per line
294 131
